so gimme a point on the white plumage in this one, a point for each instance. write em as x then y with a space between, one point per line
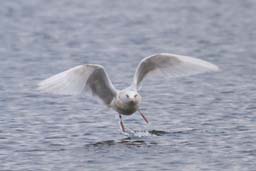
93 78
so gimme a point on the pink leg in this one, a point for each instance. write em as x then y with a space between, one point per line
121 122
144 117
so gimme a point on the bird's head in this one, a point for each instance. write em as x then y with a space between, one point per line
131 97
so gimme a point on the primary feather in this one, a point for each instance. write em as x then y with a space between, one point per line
170 65
88 77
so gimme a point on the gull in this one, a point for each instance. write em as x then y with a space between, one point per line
93 79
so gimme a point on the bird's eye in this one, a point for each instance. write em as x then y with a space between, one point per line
135 95
127 95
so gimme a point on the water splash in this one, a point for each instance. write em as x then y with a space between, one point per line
143 133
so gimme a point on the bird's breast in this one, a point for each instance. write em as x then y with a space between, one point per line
125 108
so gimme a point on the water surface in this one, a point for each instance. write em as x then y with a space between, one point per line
204 122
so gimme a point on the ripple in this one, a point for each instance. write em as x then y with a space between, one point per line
203 122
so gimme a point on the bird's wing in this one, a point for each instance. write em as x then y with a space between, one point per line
170 65
80 79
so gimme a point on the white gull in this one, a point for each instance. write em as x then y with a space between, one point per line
93 78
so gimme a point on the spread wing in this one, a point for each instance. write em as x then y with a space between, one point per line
170 65
80 79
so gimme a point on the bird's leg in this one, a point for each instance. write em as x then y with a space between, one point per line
144 117
121 122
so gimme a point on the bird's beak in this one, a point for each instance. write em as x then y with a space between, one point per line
132 101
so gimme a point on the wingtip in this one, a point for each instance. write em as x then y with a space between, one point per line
215 68
211 66
44 86
40 86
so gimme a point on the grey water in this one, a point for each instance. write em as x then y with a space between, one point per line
203 122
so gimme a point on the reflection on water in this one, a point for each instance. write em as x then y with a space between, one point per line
140 138
134 138
125 141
